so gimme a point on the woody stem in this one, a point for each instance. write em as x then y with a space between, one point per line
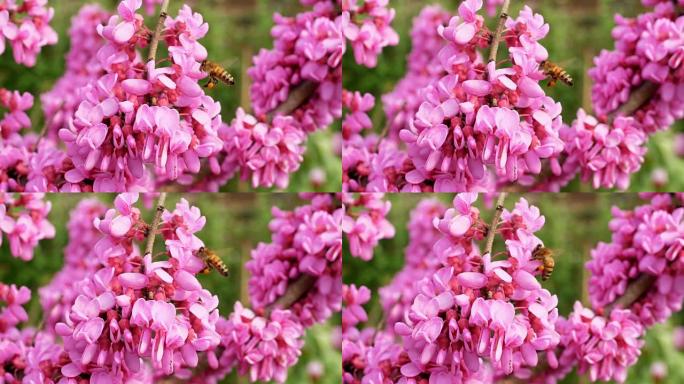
154 43
495 222
155 224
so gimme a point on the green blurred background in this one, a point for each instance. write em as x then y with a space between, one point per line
575 223
237 30
235 224
579 30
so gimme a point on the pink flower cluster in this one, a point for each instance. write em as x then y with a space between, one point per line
137 113
134 309
420 261
13 313
26 25
647 49
477 126
306 248
123 316
26 162
16 118
26 356
262 347
494 310
370 163
296 89
498 118
646 64
131 125
647 240
364 222
82 68
368 355
474 317
606 154
29 164
305 244
604 347
468 125
23 219
368 28
357 119
80 261
424 68
266 153
643 254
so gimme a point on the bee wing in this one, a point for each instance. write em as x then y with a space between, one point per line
230 63
228 254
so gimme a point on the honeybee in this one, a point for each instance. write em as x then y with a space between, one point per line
555 72
216 73
545 255
212 260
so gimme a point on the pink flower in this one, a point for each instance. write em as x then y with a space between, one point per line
370 36
262 347
27 28
605 347
608 154
24 221
306 244
263 152
366 228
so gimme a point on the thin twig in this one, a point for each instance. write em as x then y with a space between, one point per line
155 224
635 290
154 43
298 96
499 30
295 291
495 222
637 99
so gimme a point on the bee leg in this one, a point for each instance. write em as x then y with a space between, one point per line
211 83
551 83
206 270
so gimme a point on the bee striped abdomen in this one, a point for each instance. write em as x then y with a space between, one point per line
212 260
216 71
545 256
556 73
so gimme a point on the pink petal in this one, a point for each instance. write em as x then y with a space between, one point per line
120 226
138 87
525 280
123 32
187 281
472 280
133 280
410 370
477 87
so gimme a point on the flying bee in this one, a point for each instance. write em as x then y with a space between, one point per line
216 73
555 72
545 256
212 260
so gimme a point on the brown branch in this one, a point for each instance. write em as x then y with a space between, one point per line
295 291
154 43
499 30
635 290
637 99
495 222
155 224
295 99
